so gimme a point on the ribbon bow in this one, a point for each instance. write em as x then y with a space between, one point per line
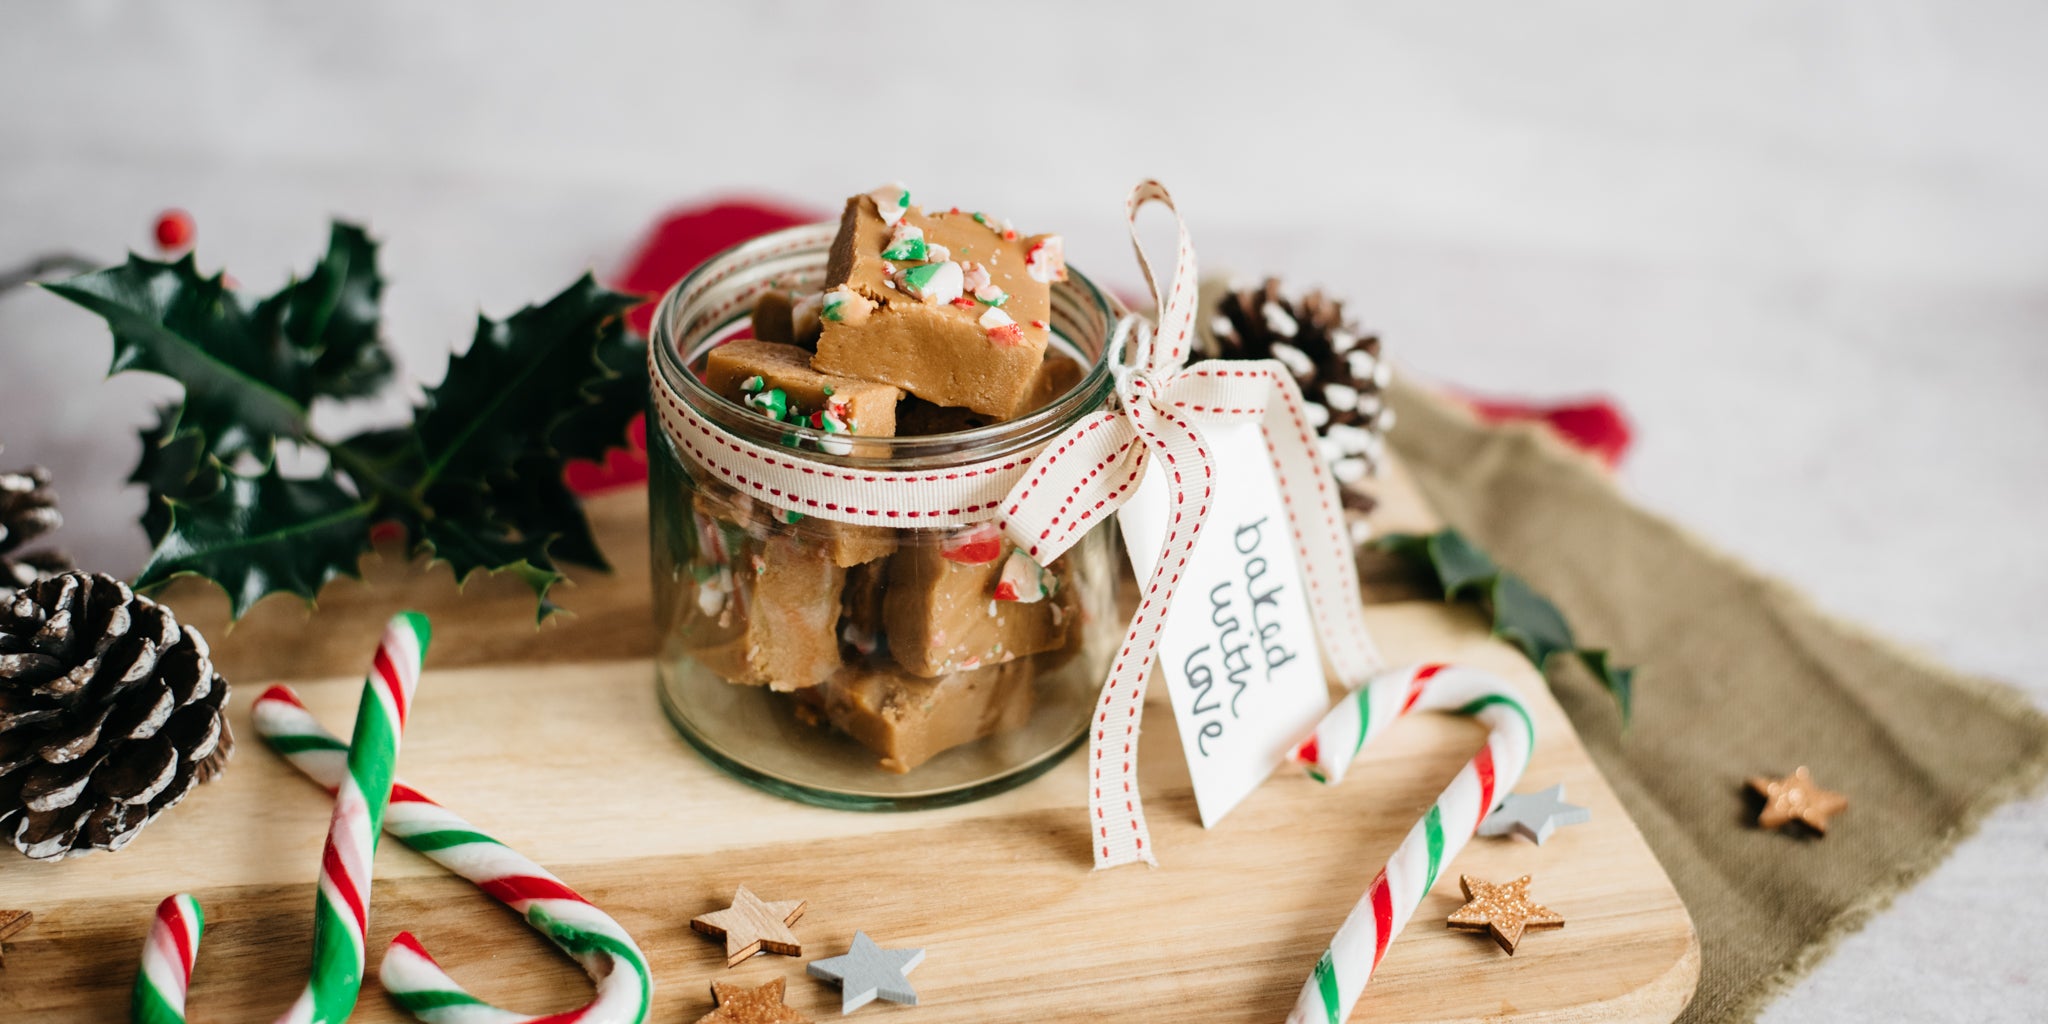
1089 471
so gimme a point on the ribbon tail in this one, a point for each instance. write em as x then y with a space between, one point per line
1315 511
1114 807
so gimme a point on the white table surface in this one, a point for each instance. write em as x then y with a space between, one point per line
1806 245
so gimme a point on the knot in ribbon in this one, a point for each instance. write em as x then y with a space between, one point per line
1095 466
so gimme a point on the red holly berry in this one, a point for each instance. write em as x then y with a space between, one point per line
174 230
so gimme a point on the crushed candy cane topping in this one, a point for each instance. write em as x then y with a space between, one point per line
833 305
891 201
931 283
1046 261
1001 329
906 242
1021 580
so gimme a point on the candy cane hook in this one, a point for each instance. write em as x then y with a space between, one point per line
1346 966
625 985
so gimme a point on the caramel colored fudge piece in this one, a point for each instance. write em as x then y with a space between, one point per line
962 605
952 309
751 372
767 601
1056 376
908 720
774 318
787 319
916 417
777 381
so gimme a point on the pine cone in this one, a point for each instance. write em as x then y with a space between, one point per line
1336 364
110 712
28 509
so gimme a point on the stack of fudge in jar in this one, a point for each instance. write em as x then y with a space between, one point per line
911 643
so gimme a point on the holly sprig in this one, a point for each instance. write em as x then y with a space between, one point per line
1520 615
474 479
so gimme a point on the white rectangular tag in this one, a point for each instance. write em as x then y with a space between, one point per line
1238 650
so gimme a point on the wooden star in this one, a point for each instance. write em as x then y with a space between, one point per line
12 923
1503 910
752 925
738 1004
1796 797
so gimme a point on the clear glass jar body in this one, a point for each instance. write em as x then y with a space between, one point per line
858 666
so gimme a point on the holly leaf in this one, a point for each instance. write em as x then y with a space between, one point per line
264 533
1524 618
332 315
1618 681
612 398
174 465
1520 615
242 389
522 376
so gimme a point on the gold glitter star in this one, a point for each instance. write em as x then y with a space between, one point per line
738 1004
1503 910
1796 797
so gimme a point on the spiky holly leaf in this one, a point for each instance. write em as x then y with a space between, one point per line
615 396
256 535
173 465
243 390
485 455
332 317
1521 616
502 399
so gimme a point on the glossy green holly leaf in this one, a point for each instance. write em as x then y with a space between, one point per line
1617 680
332 317
243 390
1520 615
173 465
259 534
1524 618
612 397
522 376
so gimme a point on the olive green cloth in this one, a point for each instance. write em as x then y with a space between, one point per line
1740 676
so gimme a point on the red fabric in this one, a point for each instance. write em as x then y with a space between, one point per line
1596 425
690 235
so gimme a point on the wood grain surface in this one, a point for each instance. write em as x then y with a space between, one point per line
552 740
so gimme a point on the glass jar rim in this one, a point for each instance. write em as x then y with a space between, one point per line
1029 431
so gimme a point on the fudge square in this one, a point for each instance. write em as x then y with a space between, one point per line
777 381
765 602
952 307
752 372
907 720
955 606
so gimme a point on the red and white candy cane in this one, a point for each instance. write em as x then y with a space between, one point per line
342 907
167 957
625 986
1049 500
1341 975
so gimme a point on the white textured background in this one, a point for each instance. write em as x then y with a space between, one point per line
1806 244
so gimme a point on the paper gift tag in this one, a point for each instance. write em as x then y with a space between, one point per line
1238 650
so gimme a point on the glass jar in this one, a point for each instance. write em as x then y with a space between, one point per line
856 666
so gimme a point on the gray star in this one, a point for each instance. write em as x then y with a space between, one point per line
1533 816
867 971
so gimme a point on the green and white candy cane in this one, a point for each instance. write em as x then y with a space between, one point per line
1341 975
341 910
625 986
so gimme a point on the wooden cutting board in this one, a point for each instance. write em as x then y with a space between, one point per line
551 739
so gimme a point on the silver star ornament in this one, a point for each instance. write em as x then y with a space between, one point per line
1533 816
868 971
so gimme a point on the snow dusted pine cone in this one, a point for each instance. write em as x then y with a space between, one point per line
110 712
1336 364
28 509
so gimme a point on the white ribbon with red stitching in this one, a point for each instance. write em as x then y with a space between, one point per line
1047 502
